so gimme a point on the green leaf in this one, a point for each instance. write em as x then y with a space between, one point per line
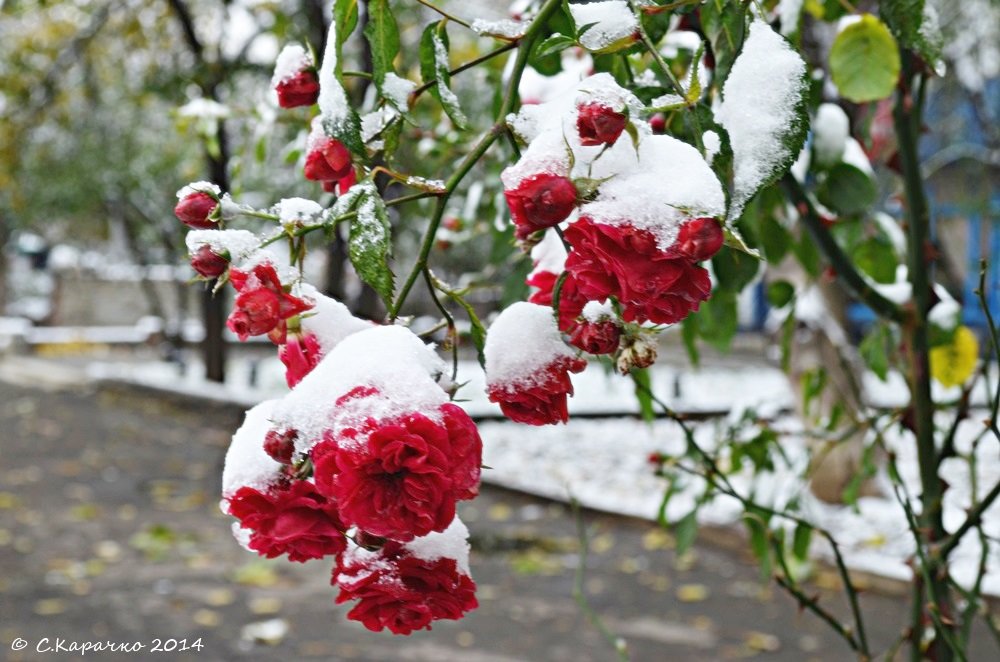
345 17
553 44
724 24
369 243
717 319
644 393
758 541
685 532
908 20
874 350
775 239
780 293
434 67
689 334
877 258
847 190
864 61
800 541
787 335
734 269
383 39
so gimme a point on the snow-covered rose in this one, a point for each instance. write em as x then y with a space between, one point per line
208 263
539 202
599 124
327 160
299 89
290 519
262 305
624 262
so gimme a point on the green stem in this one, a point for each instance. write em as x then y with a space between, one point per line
498 129
444 13
841 263
462 67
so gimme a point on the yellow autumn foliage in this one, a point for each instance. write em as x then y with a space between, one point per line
954 363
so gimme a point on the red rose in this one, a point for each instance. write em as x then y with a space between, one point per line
328 160
598 124
539 202
208 263
300 354
280 445
699 239
402 592
300 89
291 519
195 209
400 478
571 302
543 400
262 305
624 262
596 337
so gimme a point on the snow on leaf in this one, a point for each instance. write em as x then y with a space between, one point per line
369 242
763 110
339 119
434 68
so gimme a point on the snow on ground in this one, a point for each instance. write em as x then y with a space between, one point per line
603 462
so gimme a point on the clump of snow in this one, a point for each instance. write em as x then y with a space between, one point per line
329 320
397 90
712 143
247 465
333 104
946 313
672 183
891 228
316 134
199 187
520 344
549 255
391 359
598 311
452 543
375 122
204 109
240 244
765 85
504 28
536 88
291 210
899 292
291 60
668 100
831 129
613 21
854 154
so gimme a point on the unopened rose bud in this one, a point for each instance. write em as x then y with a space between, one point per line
598 124
208 263
699 239
658 123
640 352
300 89
328 160
280 445
540 201
596 337
196 210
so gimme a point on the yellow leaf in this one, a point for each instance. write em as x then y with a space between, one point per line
954 363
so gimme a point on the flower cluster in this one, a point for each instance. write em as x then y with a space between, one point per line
619 220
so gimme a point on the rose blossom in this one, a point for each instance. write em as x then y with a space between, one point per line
262 305
300 354
299 89
543 400
195 210
699 239
599 124
624 262
280 445
596 337
539 202
208 263
395 589
400 478
290 519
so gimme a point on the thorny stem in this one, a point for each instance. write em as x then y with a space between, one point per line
498 129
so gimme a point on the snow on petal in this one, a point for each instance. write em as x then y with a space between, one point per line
452 543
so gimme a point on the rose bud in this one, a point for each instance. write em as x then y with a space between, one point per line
208 263
640 352
596 337
195 210
699 239
280 445
301 89
658 123
539 202
599 124
327 160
